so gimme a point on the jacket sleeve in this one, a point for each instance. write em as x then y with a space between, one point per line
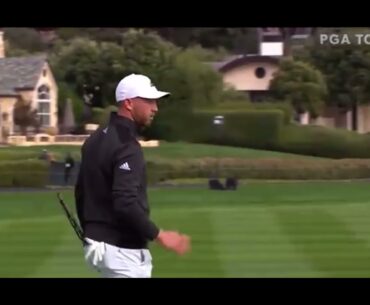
127 171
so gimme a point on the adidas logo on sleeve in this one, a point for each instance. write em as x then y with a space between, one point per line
125 166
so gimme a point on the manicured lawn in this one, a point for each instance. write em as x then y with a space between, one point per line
177 151
317 229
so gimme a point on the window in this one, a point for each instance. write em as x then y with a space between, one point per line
260 72
43 105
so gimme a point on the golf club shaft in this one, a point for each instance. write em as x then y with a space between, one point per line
72 219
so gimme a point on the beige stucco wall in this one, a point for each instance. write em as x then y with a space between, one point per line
363 118
48 80
304 118
335 118
31 95
7 103
244 78
343 120
323 121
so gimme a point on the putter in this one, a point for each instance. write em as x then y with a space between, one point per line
76 227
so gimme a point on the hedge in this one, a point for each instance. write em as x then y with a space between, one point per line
21 155
101 115
290 169
246 106
268 130
34 173
255 128
28 173
324 142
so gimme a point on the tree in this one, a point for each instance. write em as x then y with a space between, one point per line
66 92
85 65
300 84
106 34
199 82
25 116
27 39
68 122
286 34
236 40
346 69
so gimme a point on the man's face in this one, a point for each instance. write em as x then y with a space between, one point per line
144 110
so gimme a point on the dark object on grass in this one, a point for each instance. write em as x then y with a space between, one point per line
215 184
231 183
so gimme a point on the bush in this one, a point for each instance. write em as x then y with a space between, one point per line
244 105
289 169
301 84
97 115
268 129
13 155
170 125
254 128
285 107
101 116
28 173
66 91
324 142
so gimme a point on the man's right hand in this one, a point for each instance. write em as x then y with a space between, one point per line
174 241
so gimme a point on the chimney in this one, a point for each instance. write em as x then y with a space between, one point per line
270 42
2 47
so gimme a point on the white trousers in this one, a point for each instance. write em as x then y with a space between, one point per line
114 262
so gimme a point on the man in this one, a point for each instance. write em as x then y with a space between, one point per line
110 193
69 164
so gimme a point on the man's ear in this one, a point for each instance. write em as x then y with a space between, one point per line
128 104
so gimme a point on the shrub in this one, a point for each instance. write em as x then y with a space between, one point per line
324 142
28 173
289 169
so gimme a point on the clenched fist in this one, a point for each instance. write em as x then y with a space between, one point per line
174 241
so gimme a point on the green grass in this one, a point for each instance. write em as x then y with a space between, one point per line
33 152
181 150
173 151
317 229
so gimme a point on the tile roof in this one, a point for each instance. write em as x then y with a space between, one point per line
19 73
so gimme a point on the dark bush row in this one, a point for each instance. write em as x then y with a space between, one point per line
294 169
35 173
28 173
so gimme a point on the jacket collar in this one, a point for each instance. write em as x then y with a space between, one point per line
124 121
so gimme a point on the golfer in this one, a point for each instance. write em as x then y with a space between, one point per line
111 189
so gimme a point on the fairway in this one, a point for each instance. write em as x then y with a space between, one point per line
301 229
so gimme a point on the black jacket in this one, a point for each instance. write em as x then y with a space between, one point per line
110 194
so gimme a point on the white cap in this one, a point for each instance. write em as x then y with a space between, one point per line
136 85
